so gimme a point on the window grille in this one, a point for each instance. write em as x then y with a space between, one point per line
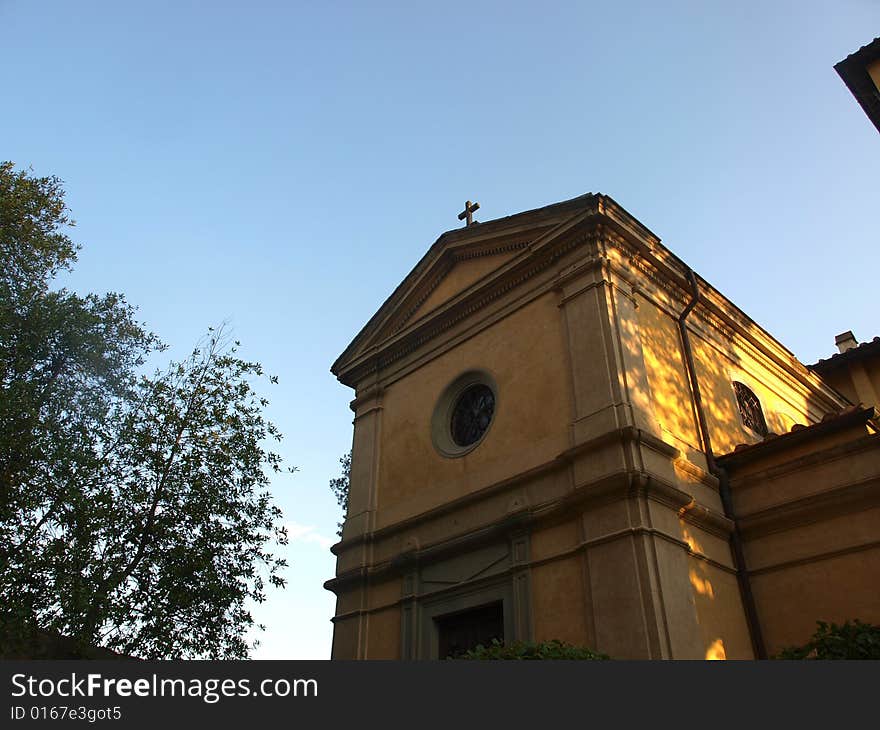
750 409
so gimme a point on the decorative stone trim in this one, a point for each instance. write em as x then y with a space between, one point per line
520 567
613 488
398 323
811 559
443 267
848 498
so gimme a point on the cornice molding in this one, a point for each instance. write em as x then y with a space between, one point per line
610 488
439 270
618 486
442 268
597 221
858 418
715 318
817 507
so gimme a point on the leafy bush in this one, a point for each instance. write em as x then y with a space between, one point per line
526 650
854 640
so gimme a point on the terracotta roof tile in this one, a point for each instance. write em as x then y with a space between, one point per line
864 349
854 411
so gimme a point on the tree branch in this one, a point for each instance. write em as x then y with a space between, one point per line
120 577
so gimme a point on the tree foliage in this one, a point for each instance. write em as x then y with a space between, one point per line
850 640
521 650
340 487
134 509
33 243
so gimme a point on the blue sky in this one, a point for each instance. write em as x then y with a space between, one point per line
283 166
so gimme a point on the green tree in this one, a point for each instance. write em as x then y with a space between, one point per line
340 485
850 640
134 510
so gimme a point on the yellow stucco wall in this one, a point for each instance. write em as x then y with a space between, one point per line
841 381
670 395
384 593
784 401
555 539
718 365
819 560
558 601
719 612
859 381
874 73
791 600
524 353
383 629
345 638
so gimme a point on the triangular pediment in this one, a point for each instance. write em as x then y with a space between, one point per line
457 270
462 275
450 268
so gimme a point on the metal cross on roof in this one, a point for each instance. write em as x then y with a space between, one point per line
468 212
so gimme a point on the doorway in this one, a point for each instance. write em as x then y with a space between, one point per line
458 633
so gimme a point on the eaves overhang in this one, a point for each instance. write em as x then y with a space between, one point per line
855 70
800 434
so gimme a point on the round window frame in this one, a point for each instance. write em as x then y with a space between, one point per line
441 420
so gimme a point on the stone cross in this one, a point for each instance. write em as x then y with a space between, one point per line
468 212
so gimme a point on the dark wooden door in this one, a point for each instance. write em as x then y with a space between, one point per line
461 632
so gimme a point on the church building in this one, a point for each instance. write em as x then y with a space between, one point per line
561 431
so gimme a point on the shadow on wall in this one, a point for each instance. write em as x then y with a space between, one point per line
752 390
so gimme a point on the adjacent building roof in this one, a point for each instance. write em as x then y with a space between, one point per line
799 433
863 351
860 71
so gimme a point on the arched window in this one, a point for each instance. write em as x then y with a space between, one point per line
750 409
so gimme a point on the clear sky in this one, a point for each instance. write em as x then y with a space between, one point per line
283 166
